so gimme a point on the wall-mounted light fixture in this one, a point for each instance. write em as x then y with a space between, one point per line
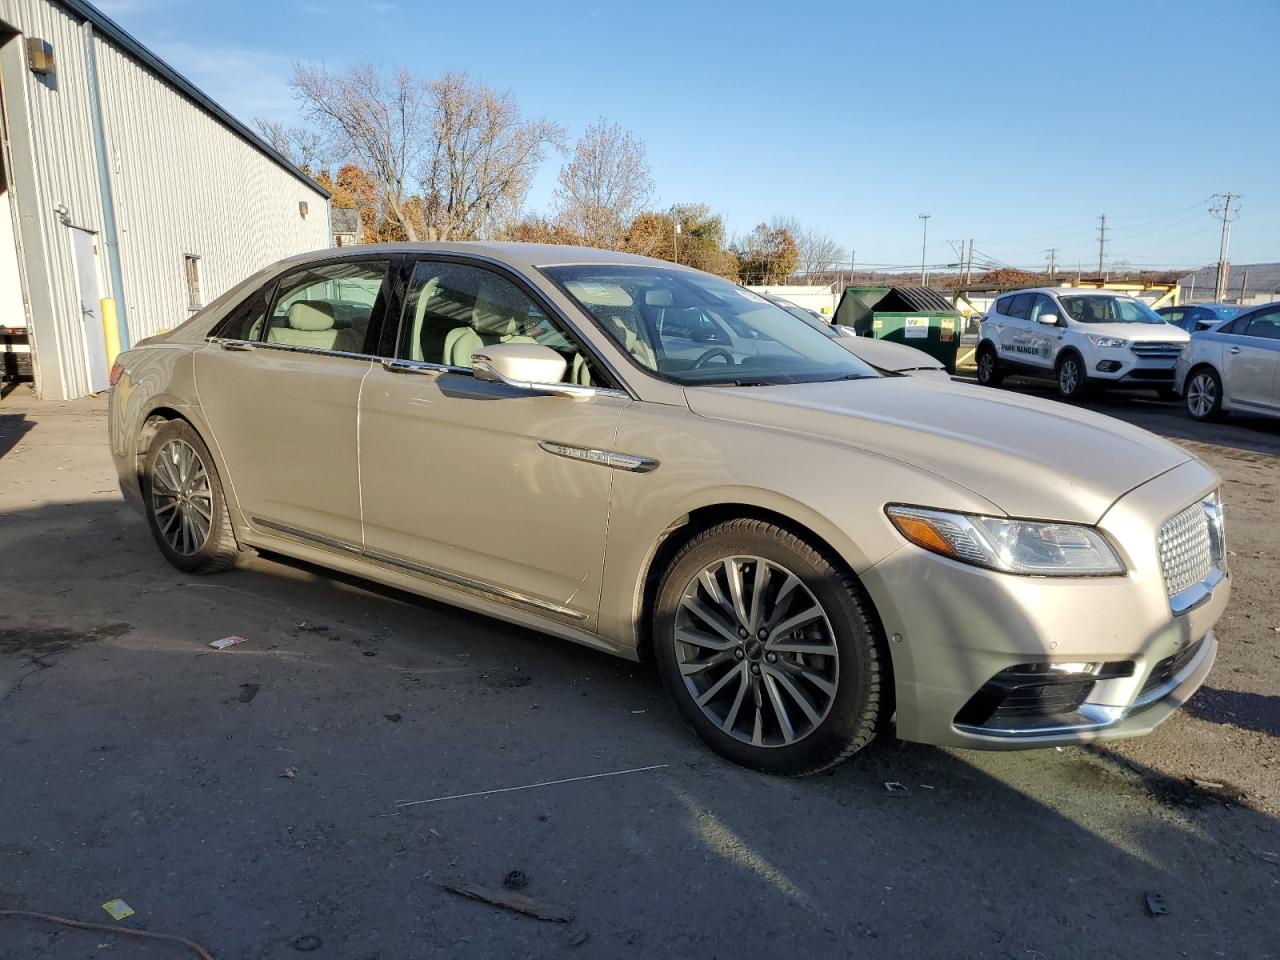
303 208
40 56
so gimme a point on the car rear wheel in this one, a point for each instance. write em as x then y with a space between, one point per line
1073 384
1204 394
989 372
185 505
770 650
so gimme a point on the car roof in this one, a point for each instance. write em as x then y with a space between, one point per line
518 255
1076 291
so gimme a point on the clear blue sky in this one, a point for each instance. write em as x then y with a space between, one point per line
1015 123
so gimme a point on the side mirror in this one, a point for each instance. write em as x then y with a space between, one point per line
1048 319
525 366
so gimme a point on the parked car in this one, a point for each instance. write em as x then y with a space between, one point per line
1234 365
884 355
1199 316
1081 338
806 548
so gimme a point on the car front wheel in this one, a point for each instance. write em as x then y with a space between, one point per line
185 505
1073 384
1204 394
769 648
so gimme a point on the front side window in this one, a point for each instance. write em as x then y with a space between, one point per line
327 306
1043 305
1093 308
454 309
697 329
245 322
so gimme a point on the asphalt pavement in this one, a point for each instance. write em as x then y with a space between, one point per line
320 787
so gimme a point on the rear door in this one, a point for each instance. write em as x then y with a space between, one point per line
481 485
1250 357
279 383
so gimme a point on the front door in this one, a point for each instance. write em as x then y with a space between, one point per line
1250 358
480 484
84 246
279 384
1047 337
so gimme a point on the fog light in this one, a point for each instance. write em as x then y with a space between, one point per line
1031 693
1108 366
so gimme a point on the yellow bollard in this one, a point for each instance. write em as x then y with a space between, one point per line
110 330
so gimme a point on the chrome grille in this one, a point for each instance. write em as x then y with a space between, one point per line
1156 351
1186 554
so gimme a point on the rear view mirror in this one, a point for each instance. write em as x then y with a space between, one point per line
658 297
1048 319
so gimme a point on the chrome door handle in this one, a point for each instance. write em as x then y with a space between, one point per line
235 345
408 366
1235 349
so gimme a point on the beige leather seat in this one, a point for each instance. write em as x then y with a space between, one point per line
495 318
310 324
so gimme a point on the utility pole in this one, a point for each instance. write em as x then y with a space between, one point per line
675 232
924 244
1224 267
1102 241
968 267
1244 285
1053 272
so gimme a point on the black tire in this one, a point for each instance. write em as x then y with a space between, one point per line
1073 381
855 672
203 547
989 372
1202 395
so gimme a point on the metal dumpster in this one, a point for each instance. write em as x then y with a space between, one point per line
917 316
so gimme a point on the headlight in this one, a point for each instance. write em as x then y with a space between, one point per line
1098 341
1011 546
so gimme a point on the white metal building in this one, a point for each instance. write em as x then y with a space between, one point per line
120 180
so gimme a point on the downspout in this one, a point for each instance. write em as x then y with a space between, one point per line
109 236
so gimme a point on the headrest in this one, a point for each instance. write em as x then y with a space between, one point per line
311 315
498 304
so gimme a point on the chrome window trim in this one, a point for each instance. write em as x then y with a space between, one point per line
231 343
444 576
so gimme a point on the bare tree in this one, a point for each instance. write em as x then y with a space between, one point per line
818 252
604 185
304 148
482 155
382 127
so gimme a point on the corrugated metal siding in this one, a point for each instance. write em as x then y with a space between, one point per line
62 139
183 183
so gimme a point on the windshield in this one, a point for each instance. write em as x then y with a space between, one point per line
1102 309
698 330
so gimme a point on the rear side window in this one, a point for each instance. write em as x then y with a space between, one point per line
329 306
1264 325
1019 306
245 321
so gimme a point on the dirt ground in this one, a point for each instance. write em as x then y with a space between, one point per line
248 799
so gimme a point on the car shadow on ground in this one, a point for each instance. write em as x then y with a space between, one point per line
248 798
13 427
1259 712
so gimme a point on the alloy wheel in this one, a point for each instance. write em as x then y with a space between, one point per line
1068 377
986 366
1202 393
181 497
756 651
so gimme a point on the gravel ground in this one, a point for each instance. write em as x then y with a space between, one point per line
247 799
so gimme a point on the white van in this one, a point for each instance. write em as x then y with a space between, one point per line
1081 338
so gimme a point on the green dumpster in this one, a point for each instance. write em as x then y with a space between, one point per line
916 316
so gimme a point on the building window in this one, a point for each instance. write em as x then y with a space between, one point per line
195 296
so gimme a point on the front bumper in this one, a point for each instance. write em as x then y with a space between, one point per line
954 627
1125 369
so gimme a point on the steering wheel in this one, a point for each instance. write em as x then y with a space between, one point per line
711 355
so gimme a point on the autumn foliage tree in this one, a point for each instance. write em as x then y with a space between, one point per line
767 255
604 185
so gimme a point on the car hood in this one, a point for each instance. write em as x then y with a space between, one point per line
888 355
1029 457
1138 332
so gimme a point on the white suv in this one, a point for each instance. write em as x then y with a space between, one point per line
1081 338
